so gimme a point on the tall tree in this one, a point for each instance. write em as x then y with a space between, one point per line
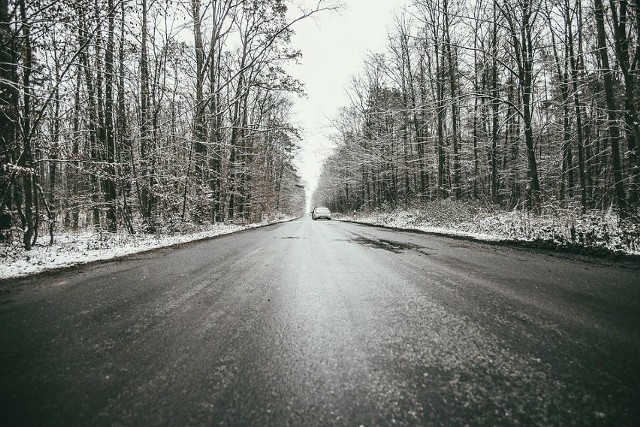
26 158
8 109
110 194
521 19
614 130
453 73
628 63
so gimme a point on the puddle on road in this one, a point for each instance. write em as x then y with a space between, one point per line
389 245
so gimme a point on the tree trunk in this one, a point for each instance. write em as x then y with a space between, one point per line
573 62
629 71
110 195
123 148
8 104
614 131
526 82
199 126
495 104
566 178
453 72
145 183
27 155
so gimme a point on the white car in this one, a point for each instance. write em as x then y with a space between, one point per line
321 212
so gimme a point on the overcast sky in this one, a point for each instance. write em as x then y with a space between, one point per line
334 47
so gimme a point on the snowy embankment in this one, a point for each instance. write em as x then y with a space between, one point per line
594 233
83 247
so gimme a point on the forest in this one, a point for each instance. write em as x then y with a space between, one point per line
143 116
137 116
526 105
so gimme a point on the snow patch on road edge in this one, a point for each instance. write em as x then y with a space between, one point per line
70 249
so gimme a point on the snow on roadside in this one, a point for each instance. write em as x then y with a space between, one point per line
71 249
598 230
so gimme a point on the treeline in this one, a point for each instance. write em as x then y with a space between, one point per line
520 103
122 114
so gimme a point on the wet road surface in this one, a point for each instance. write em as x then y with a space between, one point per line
324 323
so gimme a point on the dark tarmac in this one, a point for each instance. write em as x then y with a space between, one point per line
324 323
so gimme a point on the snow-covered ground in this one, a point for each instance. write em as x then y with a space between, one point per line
592 232
83 247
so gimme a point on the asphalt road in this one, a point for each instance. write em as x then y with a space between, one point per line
324 323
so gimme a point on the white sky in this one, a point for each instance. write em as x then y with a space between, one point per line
334 47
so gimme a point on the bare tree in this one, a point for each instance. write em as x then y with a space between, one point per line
614 131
